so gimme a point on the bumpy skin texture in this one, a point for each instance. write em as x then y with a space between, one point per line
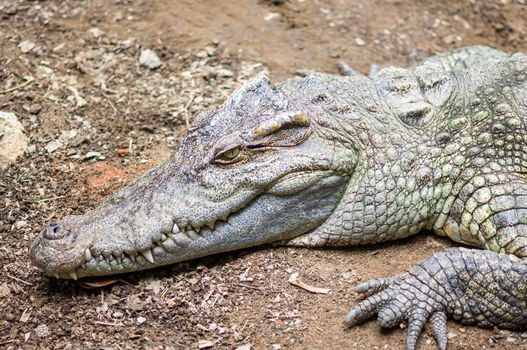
471 286
337 161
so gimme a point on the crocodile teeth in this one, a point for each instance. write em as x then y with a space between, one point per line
175 229
163 237
197 230
148 255
87 255
56 275
73 275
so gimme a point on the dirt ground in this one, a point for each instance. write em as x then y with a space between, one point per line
96 118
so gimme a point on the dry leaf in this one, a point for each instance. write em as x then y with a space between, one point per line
98 283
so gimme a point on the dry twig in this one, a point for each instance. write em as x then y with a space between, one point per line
293 279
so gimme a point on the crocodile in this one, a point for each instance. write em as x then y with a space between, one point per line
342 160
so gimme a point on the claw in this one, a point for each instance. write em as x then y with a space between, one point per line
366 309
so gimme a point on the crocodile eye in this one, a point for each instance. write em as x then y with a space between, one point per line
228 156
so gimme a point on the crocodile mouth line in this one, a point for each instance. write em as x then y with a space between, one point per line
129 259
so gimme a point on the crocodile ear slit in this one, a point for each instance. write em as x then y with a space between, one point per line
415 116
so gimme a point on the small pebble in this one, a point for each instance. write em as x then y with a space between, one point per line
96 32
93 154
42 331
271 15
52 146
205 344
244 347
360 42
26 46
149 59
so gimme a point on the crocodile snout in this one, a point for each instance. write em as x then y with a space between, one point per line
55 249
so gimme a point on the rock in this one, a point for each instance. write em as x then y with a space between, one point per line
155 286
34 109
4 290
42 331
79 140
350 276
271 15
126 44
149 59
54 145
449 39
68 135
202 54
211 51
205 344
225 73
10 9
122 152
141 320
93 154
13 141
360 42
102 308
38 51
20 224
44 72
134 302
96 32
26 46
244 347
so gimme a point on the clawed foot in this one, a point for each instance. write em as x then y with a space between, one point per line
401 298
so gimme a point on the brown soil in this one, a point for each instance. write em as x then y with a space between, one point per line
134 117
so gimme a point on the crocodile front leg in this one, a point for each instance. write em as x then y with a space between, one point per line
472 286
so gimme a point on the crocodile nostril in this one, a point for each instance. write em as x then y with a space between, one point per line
55 231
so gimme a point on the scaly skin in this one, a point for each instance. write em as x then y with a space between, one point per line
331 161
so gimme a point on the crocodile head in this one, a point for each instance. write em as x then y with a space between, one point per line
263 167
